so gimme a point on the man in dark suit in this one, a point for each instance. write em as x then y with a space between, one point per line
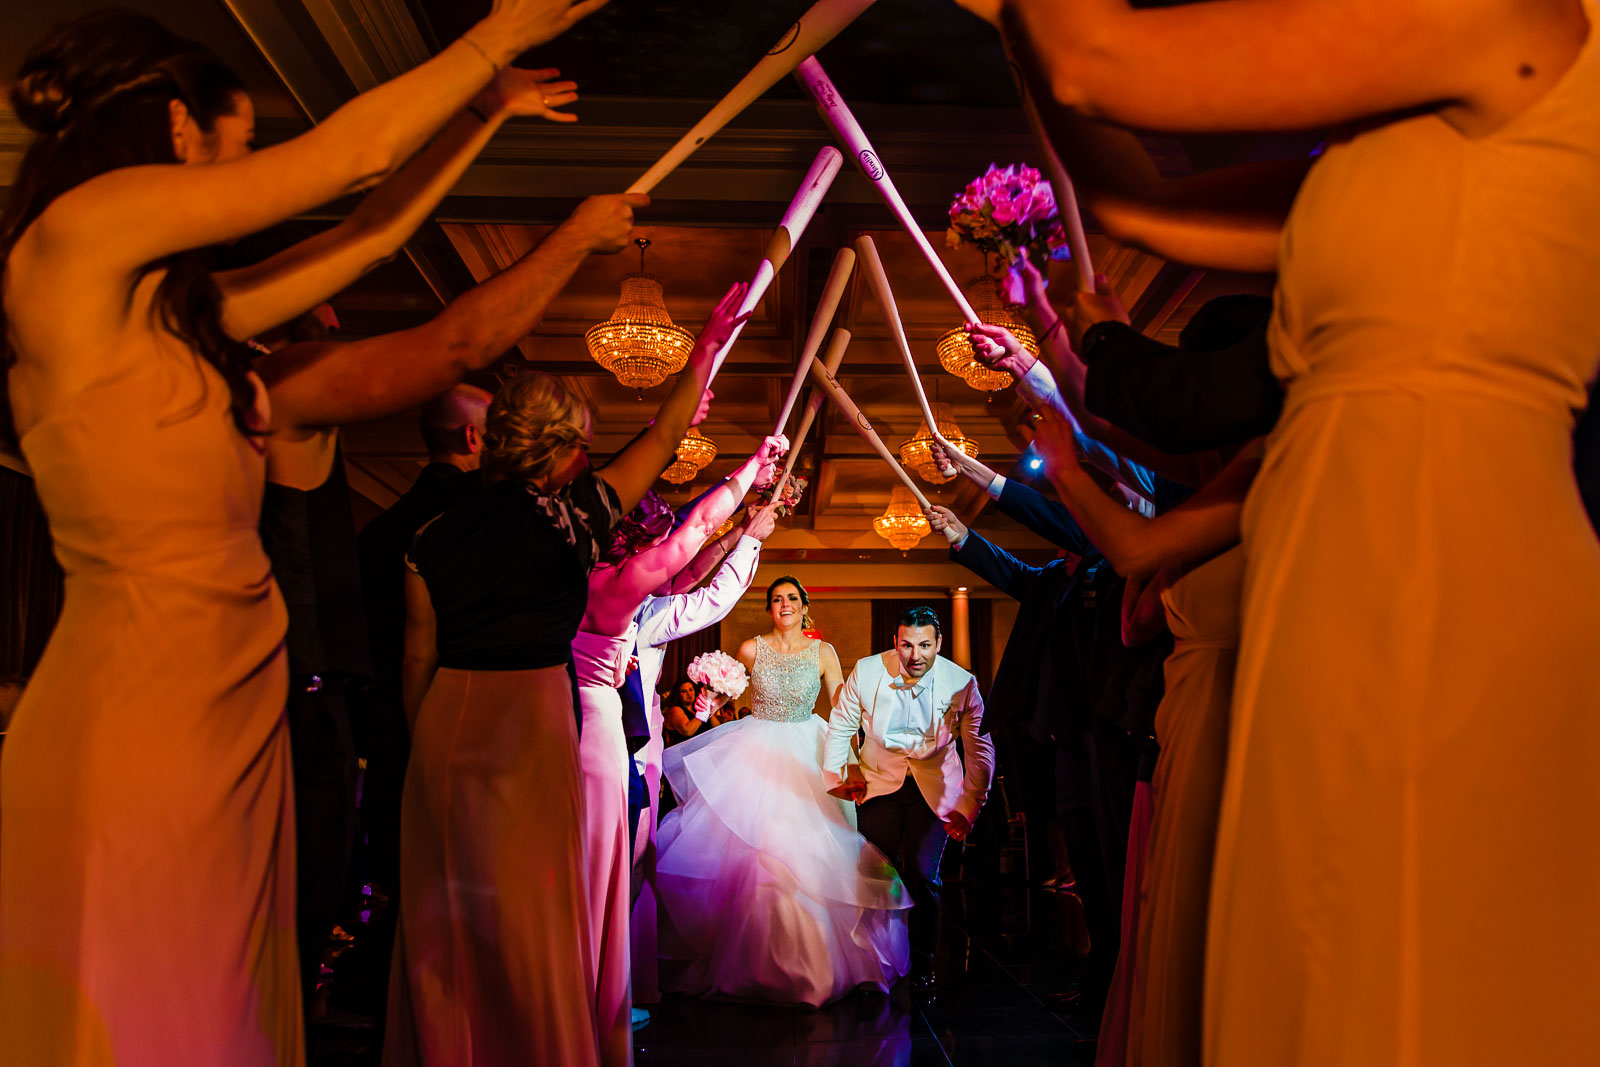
1062 705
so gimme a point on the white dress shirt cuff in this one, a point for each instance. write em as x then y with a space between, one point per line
997 486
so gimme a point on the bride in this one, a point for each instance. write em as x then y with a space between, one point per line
767 891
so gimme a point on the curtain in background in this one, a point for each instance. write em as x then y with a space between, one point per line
30 578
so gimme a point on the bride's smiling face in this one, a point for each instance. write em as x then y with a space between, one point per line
788 610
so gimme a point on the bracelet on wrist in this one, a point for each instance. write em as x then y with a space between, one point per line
478 111
482 51
1052 328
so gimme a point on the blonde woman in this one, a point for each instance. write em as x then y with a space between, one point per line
494 962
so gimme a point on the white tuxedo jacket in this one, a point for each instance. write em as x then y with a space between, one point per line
926 750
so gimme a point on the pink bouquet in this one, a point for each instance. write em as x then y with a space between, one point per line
1009 212
721 672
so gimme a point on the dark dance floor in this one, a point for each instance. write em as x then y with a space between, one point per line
1010 997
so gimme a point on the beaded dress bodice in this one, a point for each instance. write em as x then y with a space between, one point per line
784 686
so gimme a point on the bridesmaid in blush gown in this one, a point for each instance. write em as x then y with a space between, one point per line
1403 720
146 818
494 962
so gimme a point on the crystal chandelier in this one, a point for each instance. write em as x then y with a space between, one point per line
955 350
640 343
902 524
695 451
917 452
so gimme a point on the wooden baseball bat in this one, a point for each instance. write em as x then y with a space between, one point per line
835 392
830 362
872 269
815 186
844 261
836 113
819 25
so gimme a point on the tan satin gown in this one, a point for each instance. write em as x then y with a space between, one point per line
1407 854
1202 610
146 812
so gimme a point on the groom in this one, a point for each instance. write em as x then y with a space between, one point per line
910 786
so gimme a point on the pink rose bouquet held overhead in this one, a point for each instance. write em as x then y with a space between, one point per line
720 672
1009 212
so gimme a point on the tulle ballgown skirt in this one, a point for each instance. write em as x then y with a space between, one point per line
767 891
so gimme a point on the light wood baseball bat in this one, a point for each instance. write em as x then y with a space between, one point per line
830 362
812 189
836 113
872 269
844 261
819 25
835 392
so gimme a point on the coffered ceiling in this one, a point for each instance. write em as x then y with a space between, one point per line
926 80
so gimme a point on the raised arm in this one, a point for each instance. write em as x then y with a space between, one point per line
1200 527
1282 64
1056 380
176 207
635 577
259 297
331 383
687 613
988 561
636 467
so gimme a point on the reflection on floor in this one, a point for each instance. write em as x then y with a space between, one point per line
1009 997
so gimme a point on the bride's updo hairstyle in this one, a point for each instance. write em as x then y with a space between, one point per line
97 92
644 524
805 599
532 420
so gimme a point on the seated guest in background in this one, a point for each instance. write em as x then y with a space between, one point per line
492 819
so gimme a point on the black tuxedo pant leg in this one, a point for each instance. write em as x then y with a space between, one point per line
904 828
323 755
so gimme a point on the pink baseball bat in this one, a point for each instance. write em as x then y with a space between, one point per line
815 186
836 113
821 23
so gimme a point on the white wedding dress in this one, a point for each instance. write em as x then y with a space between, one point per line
767 891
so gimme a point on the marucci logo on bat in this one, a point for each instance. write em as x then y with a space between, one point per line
862 421
786 41
870 164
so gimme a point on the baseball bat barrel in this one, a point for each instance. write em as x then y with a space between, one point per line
804 205
872 269
830 362
836 113
844 262
819 25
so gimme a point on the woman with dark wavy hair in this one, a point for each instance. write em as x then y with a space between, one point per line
494 963
146 842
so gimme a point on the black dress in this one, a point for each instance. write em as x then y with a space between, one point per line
493 961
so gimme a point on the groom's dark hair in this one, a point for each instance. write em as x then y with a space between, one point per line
921 615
